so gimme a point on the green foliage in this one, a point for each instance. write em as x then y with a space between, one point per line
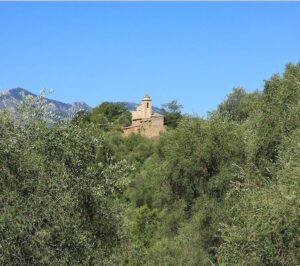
107 117
225 190
193 241
263 207
217 191
57 194
263 228
279 115
143 224
239 105
110 113
172 113
197 151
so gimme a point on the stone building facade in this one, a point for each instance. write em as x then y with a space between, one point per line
145 122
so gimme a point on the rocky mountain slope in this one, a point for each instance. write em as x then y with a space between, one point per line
11 98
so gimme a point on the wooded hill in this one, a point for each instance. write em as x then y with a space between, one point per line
218 191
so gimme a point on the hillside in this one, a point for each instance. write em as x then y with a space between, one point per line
221 191
11 98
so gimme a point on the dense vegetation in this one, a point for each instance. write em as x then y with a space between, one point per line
224 190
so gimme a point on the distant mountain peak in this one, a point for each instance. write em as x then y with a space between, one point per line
11 98
18 90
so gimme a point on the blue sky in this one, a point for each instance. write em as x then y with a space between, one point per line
192 52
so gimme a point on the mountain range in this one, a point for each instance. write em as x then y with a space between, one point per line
11 98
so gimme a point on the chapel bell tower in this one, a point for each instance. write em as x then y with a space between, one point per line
147 106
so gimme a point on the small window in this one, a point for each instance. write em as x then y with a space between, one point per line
147 105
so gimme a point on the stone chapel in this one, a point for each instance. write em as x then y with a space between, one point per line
145 122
